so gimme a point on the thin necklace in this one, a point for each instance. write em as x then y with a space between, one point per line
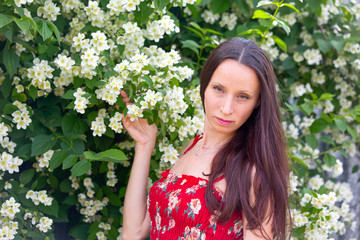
206 147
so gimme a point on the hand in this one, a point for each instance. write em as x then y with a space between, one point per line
140 129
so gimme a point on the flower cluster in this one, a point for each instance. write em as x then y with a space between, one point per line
8 227
39 75
49 11
90 207
228 20
111 175
80 101
98 126
21 117
9 163
43 161
38 197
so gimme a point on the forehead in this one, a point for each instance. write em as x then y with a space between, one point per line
235 75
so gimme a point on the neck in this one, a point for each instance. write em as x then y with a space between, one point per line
214 139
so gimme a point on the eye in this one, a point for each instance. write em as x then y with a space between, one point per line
243 96
217 88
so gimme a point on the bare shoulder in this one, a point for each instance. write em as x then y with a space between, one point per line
186 146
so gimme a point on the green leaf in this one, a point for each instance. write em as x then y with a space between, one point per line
251 31
208 30
65 186
26 176
11 61
148 81
280 43
355 169
90 155
261 14
55 30
69 94
113 155
307 108
291 107
5 20
69 161
327 140
312 141
52 210
144 13
80 168
9 108
318 125
42 144
283 25
292 7
244 7
324 45
352 132
71 125
44 30
329 160
106 54
160 4
326 96
341 124
194 46
264 2
23 24
300 170
288 63
314 5
58 158
80 231
220 6
338 43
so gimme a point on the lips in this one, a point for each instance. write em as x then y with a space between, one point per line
223 122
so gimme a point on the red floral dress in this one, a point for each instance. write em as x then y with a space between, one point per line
178 211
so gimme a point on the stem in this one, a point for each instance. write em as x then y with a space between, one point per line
200 53
336 148
64 140
271 21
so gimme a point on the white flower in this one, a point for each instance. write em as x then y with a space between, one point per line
313 56
9 208
134 112
49 11
316 182
64 63
209 16
228 20
44 224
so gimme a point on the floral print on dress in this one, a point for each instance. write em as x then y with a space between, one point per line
174 202
194 233
178 211
237 228
194 208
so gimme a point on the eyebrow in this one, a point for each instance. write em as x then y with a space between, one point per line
239 91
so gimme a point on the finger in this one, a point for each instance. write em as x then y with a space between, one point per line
125 97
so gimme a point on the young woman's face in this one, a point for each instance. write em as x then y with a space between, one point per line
230 97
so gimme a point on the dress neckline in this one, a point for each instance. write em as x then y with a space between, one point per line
185 175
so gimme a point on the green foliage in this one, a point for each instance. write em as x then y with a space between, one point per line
81 157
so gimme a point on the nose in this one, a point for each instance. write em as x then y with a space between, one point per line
227 106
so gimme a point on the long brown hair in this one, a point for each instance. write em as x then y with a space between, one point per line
256 154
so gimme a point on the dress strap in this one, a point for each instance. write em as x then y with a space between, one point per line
196 139
219 179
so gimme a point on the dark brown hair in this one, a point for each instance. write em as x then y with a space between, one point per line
256 154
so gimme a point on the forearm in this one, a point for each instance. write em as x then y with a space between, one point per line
136 222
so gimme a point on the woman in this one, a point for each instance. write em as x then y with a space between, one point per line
230 182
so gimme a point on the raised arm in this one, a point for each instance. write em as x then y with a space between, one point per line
136 224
